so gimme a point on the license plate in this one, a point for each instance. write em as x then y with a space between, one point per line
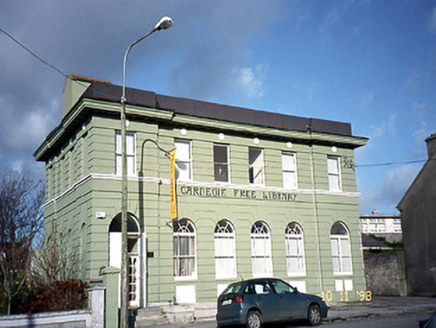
227 302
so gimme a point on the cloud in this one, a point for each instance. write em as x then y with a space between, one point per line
371 99
413 81
250 81
389 126
421 114
432 21
195 58
396 183
386 194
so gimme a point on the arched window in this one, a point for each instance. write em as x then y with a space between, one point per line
184 249
341 253
295 250
261 250
225 253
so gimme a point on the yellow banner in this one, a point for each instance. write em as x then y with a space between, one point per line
173 189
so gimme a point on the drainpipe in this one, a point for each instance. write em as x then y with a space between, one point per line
315 206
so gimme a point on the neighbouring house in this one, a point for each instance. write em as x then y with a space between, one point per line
259 194
383 254
418 220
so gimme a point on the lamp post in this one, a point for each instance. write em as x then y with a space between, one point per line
165 23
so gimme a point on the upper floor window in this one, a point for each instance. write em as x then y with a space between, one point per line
183 159
397 225
334 172
221 162
289 167
261 257
256 166
340 246
184 239
295 250
225 253
130 153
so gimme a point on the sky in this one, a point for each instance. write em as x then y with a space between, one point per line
368 63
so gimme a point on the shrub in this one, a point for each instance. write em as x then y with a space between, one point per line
63 295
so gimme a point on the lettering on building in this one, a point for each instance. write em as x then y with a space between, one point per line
236 193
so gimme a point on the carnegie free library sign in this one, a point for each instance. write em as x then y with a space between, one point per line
214 192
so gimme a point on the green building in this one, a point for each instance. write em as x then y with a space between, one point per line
259 194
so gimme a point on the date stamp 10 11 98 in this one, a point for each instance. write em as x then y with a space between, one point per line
347 296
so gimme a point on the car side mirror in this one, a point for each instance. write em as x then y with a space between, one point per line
296 290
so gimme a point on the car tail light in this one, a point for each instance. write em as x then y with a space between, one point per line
239 299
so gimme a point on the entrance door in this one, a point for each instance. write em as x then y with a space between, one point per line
133 256
134 280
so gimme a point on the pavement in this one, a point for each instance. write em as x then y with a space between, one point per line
378 307
381 306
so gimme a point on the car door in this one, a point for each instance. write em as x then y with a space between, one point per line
266 300
291 304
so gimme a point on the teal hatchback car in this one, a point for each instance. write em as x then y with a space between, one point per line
257 301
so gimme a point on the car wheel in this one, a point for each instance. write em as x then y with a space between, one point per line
314 315
254 320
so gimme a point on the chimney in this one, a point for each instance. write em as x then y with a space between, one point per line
431 146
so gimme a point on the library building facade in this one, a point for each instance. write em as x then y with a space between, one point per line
259 194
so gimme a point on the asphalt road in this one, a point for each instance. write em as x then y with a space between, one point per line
397 321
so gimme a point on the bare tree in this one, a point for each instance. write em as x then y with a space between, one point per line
21 221
55 261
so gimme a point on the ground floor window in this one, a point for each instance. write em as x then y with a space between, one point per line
184 248
261 258
225 254
295 250
340 246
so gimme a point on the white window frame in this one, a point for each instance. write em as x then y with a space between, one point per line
397 225
183 160
130 153
289 170
256 169
221 164
341 250
225 250
184 229
334 173
261 250
294 240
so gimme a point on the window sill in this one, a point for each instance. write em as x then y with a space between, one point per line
337 274
186 278
226 278
297 275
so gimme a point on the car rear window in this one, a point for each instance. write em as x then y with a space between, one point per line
232 289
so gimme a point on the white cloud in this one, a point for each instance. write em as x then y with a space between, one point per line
432 21
420 115
250 81
34 126
385 127
412 81
397 181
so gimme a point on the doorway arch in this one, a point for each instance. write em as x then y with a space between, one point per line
135 243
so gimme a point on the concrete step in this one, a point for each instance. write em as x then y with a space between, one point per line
205 311
150 316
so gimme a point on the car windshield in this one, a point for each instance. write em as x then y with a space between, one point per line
233 288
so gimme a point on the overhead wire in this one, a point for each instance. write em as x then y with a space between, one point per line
79 82
42 60
392 163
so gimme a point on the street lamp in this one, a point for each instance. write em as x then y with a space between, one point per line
165 23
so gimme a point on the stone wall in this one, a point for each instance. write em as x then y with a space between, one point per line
89 318
384 273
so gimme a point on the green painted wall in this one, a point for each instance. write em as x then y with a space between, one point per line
88 157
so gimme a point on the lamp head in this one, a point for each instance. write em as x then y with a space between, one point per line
164 23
